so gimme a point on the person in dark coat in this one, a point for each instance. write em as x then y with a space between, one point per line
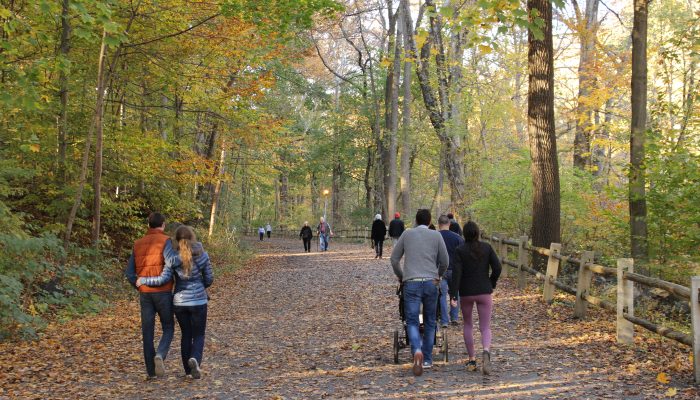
378 235
306 234
396 228
454 225
476 271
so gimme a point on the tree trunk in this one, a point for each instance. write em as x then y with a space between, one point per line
86 155
367 178
405 20
587 30
637 195
543 144
392 111
64 49
337 195
220 170
315 193
97 168
245 189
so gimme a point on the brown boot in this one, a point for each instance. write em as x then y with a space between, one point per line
486 363
418 364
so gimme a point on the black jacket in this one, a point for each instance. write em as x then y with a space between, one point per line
454 227
306 232
396 228
470 274
378 230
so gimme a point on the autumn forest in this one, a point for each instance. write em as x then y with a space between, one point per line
574 122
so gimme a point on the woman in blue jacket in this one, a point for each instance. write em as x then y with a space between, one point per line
193 274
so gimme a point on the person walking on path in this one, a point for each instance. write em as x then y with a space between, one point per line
193 274
324 234
261 233
454 225
452 241
473 283
148 258
378 235
268 229
396 228
306 234
425 261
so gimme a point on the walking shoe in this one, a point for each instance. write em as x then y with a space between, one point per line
160 366
454 323
486 363
444 326
427 365
471 365
194 368
418 364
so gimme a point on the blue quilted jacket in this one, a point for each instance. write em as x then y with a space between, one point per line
189 290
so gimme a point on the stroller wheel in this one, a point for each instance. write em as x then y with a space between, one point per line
445 348
396 346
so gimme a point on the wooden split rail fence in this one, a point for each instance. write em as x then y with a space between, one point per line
626 277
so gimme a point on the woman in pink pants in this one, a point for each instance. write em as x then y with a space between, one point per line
476 271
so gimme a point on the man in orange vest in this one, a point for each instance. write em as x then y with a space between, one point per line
148 259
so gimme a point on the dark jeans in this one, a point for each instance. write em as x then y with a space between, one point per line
193 324
160 303
378 247
262 235
307 244
268 234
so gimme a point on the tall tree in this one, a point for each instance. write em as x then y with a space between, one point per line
637 195
63 50
587 28
540 119
391 104
405 21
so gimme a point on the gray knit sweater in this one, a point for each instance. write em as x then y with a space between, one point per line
424 252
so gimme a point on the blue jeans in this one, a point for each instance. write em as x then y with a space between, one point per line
160 303
416 293
453 314
193 324
323 241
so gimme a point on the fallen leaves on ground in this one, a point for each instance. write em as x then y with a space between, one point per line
319 325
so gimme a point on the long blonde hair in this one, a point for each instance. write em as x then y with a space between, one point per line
184 236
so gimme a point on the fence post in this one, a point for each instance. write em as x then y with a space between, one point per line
522 261
584 284
503 252
625 301
695 317
552 272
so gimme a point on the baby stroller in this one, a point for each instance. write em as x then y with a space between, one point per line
401 336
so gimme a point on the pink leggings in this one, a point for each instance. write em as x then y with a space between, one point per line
484 306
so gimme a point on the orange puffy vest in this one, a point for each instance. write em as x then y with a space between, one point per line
149 260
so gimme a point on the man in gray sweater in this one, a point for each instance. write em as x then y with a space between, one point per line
425 262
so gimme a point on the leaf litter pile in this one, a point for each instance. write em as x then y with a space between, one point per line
319 325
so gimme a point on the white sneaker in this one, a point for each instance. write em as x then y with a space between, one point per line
194 368
427 365
160 365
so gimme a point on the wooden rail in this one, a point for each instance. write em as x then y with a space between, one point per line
626 278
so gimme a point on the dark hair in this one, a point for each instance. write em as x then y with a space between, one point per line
423 217
443 220
450 215
471 239
155 220
431 227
